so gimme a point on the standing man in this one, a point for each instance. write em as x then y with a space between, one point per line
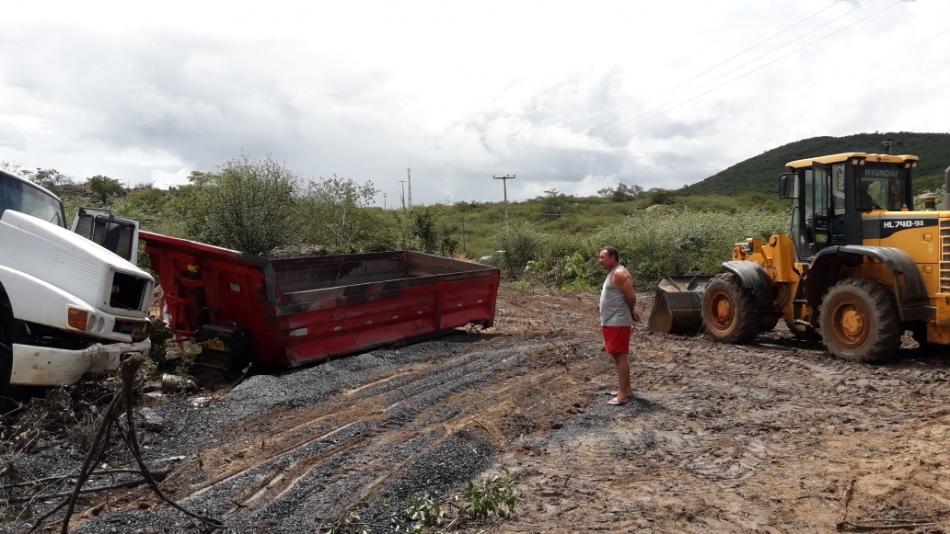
617 315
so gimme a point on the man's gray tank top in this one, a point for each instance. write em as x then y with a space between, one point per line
614 310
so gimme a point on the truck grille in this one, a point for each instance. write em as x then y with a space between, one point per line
127 291
945 255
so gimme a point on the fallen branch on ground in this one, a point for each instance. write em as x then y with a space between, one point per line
122 402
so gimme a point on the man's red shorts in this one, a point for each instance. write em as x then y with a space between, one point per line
616 339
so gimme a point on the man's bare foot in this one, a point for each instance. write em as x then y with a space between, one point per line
619 401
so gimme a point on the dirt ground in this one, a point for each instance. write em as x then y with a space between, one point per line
775 436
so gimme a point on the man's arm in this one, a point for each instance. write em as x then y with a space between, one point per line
622 279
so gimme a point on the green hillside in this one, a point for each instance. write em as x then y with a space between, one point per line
760 174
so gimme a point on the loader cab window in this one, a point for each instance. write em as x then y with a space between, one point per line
838 188
882 187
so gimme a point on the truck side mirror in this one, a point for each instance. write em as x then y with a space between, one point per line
784 183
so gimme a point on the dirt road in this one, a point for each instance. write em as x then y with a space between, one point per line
766 437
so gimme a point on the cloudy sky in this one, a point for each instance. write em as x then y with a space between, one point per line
568 95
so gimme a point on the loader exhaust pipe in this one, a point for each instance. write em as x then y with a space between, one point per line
946 189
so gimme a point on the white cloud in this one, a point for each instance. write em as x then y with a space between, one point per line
564 94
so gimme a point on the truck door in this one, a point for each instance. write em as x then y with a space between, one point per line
118 234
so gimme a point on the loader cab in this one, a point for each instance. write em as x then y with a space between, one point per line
832 193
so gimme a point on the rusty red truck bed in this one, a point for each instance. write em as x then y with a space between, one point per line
291 311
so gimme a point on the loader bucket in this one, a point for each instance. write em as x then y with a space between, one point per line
677 308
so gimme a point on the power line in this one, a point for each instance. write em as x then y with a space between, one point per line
667 92
662 108
743 75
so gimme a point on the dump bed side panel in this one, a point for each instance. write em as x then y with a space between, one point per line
299 310
339 304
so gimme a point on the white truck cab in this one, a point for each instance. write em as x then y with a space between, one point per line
68 306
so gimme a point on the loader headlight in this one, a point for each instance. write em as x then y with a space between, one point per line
77 318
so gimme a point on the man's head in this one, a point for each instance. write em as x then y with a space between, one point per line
609 258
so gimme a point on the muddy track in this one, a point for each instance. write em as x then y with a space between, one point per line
374 444
761 437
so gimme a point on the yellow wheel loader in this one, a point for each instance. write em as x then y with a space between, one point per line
858 268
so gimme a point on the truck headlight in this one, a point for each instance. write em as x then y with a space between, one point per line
77 318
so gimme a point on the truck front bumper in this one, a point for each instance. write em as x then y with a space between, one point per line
49 366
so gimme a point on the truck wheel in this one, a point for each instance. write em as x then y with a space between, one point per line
729 313
860 321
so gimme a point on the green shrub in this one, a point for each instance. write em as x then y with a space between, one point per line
663 243
521 244
248 206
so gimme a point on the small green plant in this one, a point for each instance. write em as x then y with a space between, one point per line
159 334
425 512
351 523
495 496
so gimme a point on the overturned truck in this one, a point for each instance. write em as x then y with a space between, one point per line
290 311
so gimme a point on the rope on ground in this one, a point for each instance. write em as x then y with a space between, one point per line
124 401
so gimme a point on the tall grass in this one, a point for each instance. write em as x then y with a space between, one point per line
652 245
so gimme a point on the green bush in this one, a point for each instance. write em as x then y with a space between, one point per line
663 243
521 244
248 206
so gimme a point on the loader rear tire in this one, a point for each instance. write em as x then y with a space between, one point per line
729 313
860 321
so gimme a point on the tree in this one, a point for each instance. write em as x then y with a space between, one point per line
423 228
555 204
49 178
658 195
104 187
447 244
334 211
248 206
621 193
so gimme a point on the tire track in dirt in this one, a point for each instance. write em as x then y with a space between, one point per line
363 441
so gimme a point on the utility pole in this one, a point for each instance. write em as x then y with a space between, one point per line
384 201
504 181
402 184
409 179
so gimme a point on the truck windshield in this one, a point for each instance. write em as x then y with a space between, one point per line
20 195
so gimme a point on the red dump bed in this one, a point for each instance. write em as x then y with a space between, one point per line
298 310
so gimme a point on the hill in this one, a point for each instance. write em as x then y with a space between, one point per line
760 173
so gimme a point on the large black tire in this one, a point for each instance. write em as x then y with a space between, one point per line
729 313
860 321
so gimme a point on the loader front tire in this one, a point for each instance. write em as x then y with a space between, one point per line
729 313
860 321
